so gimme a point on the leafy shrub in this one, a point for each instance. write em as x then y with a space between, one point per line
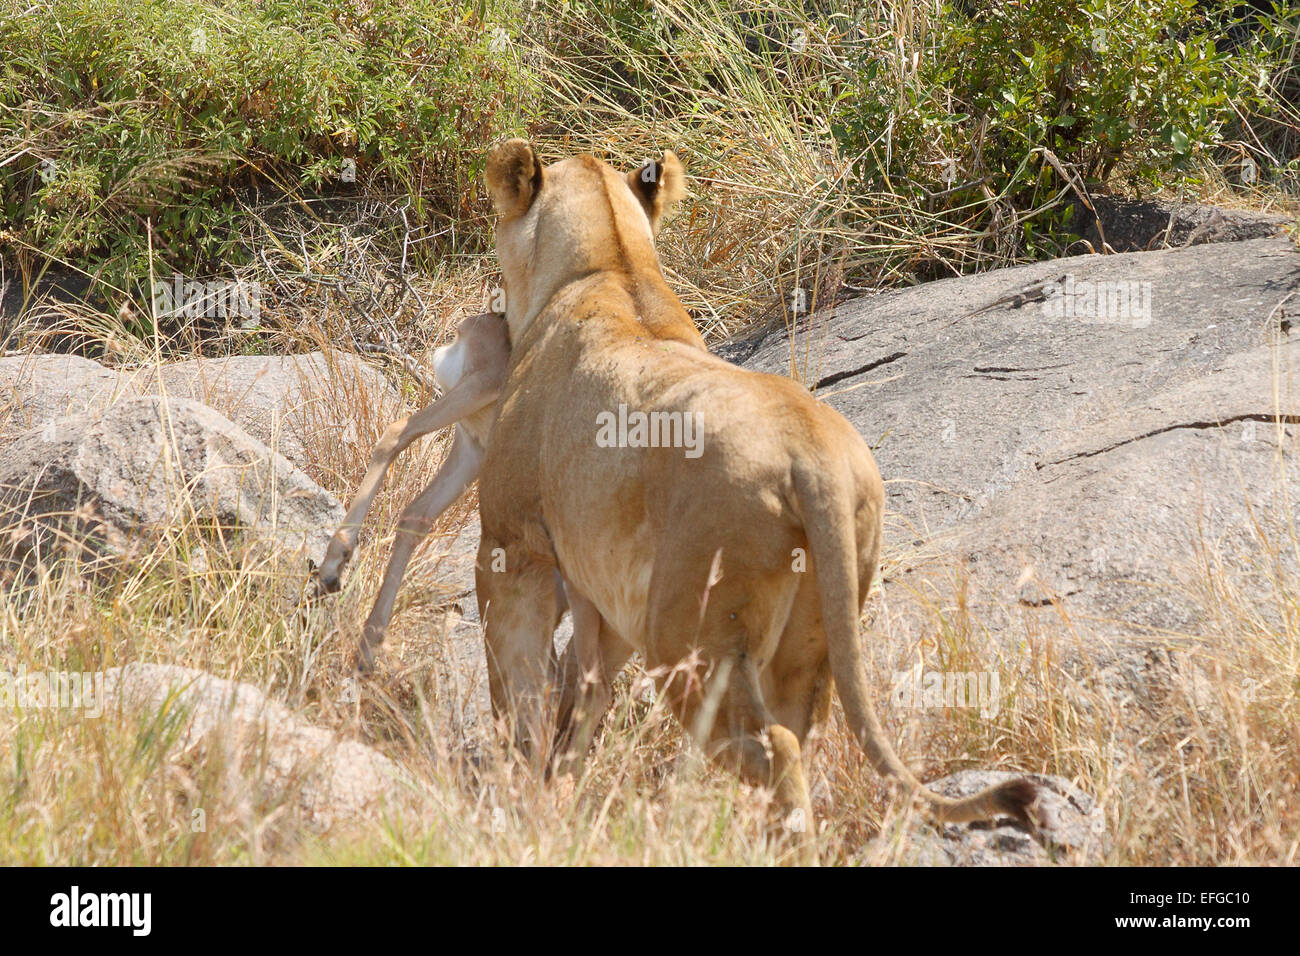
962 110
115 114
1269 134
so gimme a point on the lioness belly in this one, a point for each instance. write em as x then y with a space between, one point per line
614 574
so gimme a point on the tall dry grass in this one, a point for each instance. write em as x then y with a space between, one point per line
1201 767
1205 770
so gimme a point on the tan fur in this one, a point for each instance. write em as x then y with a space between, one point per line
690 561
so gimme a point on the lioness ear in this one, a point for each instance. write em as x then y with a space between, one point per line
659 184
514 177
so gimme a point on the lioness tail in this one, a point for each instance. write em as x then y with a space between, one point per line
823 490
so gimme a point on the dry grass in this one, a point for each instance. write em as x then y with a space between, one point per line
1204 768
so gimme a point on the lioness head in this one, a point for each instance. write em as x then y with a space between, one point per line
572 218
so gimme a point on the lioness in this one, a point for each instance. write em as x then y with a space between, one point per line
690 555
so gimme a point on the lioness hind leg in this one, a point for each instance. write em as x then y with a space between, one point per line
765 752
708 627
746 739
797 682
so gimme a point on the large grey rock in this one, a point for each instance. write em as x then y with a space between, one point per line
331 781
35 389
1070 464
300 405
455 555
460 674
146 465
303 406
1138 225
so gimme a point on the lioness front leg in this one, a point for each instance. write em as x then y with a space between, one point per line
517 597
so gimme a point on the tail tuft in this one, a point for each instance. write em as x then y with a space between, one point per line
1016 798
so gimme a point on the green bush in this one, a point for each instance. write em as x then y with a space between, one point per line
963 113
115 114
1269 135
